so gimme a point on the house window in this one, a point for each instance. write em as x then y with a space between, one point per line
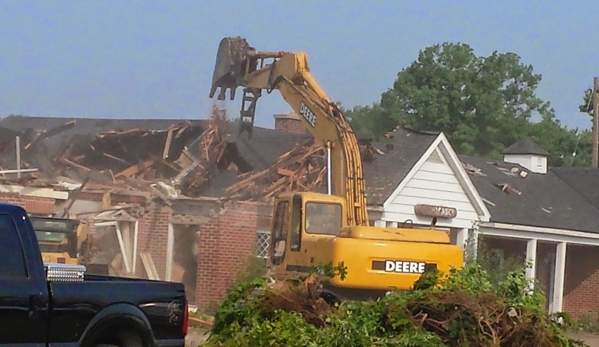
262 243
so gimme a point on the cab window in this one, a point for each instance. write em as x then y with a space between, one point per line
296 234
323 218
279 231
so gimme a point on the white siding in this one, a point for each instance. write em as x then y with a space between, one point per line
434 183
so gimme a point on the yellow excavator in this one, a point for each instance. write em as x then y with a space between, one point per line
57 239
315 228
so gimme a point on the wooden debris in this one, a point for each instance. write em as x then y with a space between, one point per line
212 148
167 146
134 169
300 169
508 189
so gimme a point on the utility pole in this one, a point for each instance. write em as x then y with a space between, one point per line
595 121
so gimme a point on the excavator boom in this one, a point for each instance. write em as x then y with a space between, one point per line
239 64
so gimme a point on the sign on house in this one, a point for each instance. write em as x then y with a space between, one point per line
435 211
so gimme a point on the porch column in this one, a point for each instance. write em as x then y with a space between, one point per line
170 246
473 241
558 283
531 256
461 237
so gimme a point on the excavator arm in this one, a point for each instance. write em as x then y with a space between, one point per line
238 64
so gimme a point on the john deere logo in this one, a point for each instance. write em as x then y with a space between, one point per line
398 266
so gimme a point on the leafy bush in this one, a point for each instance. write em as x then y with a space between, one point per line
461 309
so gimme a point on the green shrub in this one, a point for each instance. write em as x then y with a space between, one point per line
465 309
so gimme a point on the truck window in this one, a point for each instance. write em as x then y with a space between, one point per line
12 266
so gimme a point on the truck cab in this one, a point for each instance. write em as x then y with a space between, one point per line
62 305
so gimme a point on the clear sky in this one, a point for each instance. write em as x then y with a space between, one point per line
154 59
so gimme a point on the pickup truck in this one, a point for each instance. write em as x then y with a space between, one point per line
61 305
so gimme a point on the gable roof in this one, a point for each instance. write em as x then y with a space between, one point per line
442 147
385 172
526 146
544 200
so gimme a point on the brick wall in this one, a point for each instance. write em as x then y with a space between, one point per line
289 123
581 285
152 238
32 204
223 243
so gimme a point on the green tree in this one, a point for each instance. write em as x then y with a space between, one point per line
567 147
587 102
371 118
482 104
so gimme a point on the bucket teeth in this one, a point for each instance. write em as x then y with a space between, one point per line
229 69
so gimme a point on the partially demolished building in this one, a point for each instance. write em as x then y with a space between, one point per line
187 200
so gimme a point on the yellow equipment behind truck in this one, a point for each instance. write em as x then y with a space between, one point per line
377 259
57 238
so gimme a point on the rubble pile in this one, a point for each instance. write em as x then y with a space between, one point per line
461 309
179 156
178 159
212 147
300 169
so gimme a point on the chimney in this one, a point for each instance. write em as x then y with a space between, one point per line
289 122
528 154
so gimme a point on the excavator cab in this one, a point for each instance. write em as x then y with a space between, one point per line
304 225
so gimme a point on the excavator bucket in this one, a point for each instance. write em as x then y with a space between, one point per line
231 64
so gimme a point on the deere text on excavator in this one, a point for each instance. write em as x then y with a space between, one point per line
315 228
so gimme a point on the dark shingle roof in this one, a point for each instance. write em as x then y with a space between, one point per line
583 180
526 146
545 200
385 173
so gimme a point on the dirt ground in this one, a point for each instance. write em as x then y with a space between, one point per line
197 336
590 339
